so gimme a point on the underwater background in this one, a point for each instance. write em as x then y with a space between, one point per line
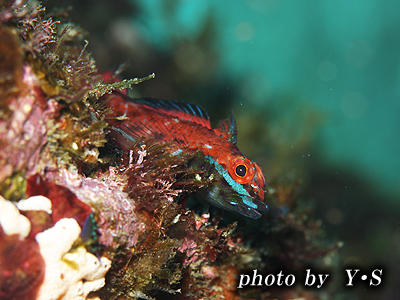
314 86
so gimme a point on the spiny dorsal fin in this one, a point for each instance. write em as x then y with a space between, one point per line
182 110
227 128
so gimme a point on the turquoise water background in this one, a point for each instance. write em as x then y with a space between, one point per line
338 57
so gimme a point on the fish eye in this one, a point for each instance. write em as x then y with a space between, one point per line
241 170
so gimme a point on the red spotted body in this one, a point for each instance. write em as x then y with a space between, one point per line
239 183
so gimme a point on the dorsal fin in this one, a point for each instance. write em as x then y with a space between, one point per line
227 128
182 110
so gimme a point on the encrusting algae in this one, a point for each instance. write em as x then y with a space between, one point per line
108 219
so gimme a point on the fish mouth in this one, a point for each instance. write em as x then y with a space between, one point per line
225 198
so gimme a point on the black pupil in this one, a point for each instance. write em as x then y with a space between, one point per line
241 170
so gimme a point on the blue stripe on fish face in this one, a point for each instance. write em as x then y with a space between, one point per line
245 196
248 202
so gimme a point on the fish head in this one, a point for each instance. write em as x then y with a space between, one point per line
238 185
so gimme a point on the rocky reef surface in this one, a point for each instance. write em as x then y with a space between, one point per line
82 219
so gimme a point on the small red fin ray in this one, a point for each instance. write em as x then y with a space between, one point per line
227 129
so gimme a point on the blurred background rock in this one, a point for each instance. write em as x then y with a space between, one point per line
314 85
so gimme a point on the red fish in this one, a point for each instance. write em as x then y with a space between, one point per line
238 183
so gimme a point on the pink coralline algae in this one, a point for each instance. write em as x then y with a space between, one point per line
23 133
118 224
